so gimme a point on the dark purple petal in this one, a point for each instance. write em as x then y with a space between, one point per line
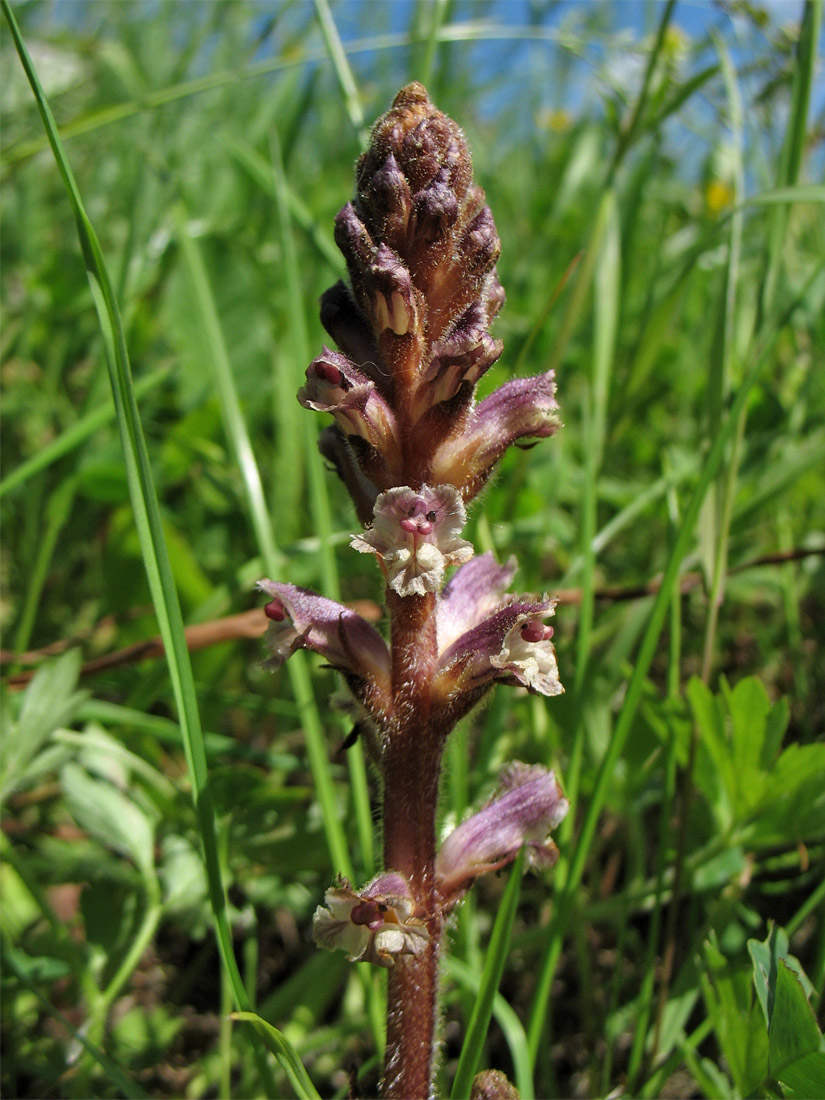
335 448
436 210
481 246
464 354
349 328
386 202
388 285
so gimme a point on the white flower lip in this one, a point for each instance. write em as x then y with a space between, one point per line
415 535
374 925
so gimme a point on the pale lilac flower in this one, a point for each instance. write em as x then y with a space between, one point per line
335 385
522 409
374 925
415 535
484 635
472 593
301 620
528 805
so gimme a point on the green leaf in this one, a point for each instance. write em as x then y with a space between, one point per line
796 1057
765 958
737 1019
748 706
715 775
110 816
50 701
793 1031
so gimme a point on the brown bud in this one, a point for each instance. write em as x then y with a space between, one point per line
492 1084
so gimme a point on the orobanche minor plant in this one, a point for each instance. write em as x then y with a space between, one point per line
413 448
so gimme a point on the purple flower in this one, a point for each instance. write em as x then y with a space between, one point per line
415 536
374 925
473 592
301 620
528 805
524 408
335 385
484 635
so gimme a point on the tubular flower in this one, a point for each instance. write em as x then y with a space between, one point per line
484 635
299 619
335 385
415 536
374 925
524 408
528 805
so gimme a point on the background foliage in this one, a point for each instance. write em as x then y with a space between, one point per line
674 168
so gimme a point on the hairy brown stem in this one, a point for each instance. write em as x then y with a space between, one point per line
411 767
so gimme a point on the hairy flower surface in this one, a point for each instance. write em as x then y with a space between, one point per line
336 385
374 925
298 619
413 446
485 635
528 805
415 535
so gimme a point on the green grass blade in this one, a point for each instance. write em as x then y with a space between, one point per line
494 962
260 171
793 147
507 1020
292 1065
73 437
346 80
217 358
148 523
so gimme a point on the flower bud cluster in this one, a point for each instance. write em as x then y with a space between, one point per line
413 322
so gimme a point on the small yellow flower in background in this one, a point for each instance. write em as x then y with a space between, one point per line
556 120
718 196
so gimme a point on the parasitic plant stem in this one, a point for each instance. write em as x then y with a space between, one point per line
411 767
